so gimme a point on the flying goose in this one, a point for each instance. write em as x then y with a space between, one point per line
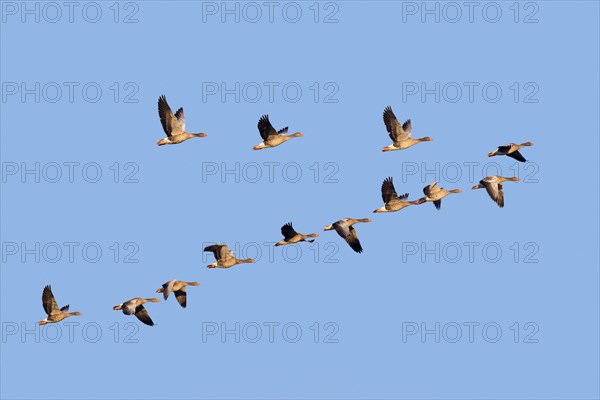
271 137
291 236
224 256
136 306
391 199
511 150
55 314
178 288
493 186
345 229
400 134
435 194
173 125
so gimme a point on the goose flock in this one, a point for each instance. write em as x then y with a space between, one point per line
401 135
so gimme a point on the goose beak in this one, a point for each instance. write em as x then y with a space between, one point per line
43 322
475 187
117 307
493 153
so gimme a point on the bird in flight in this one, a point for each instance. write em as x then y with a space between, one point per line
511 150
493 186
179 290
54 314
393 202
173 124
224 256
136 306
272 137
345 229
291 236
401 134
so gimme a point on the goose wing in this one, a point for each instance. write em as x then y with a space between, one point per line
172 125
431 189
265 128
219 250
395 130
48 301
388 192
142 314
181 296
352 240
288 231
517 156
168 288
347 231
494 190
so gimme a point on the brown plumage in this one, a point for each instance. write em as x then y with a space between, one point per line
345 229
435 194
493 186
401 134
511 150
224 256
291 236
393 202
136 307
270 136
54 314
179 290
173 124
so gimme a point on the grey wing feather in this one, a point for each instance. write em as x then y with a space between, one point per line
48 300
142 314
288 231
169 122
392 125
181 296
388 192
180 119
265 128
167 288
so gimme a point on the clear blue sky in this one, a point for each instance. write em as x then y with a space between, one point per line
375 55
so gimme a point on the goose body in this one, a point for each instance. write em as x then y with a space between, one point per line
401 134
173 124
345 229
291 236
179 290
54 313
511 150
136 307
493 186
224 256
272 137
435 194
393 202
